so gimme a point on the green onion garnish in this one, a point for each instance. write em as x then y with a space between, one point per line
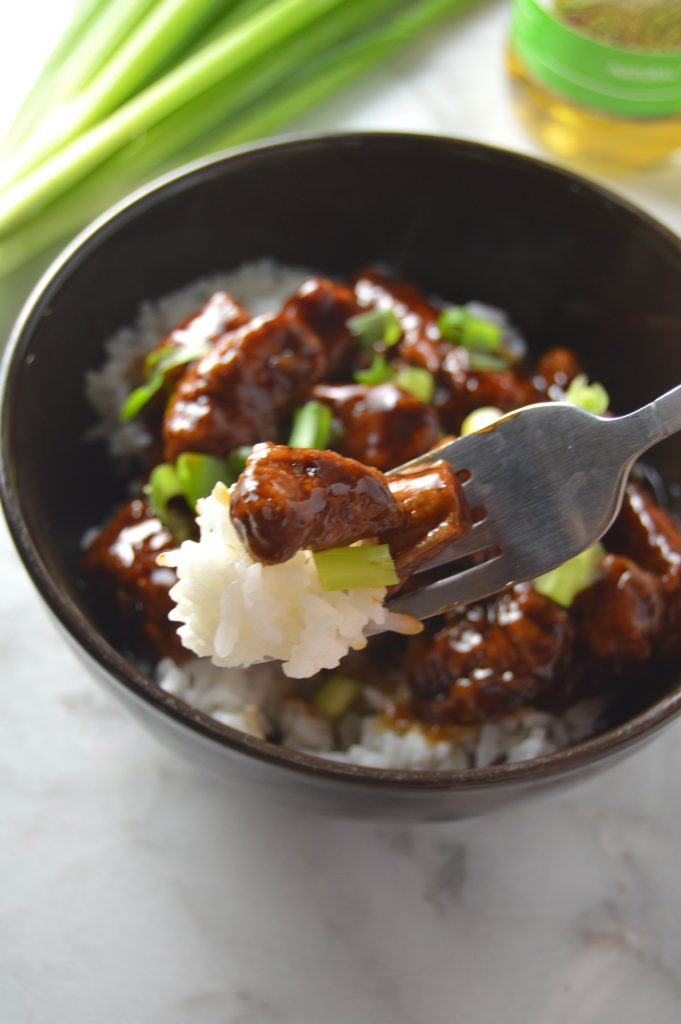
160 362
482 335
164 487
154 357
336 695
311 426
354 568
563 583
592 397
236 460
139 397
171 356
164 484
484 362
450 322
198 474
480 419
456 324
379 372
417 381
376 326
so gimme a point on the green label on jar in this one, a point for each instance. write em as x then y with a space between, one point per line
633 80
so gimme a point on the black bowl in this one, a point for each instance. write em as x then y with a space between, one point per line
571 263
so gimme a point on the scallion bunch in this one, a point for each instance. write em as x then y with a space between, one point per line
136 86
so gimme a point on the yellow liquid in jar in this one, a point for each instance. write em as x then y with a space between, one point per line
600 140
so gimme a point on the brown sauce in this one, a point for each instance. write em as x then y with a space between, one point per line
478 663
381 426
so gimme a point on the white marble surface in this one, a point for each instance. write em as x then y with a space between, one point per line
135 892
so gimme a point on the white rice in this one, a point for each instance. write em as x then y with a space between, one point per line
239 612
262 700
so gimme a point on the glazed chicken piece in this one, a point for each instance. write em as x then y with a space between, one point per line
649 536
219 314
375 289
490 658
554 371
462 389
646 533
292 498
434 514
240 391
619 618
459 388
382 426
287 499
421 344
325 308
128 586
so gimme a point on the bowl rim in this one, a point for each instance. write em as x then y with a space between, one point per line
139 686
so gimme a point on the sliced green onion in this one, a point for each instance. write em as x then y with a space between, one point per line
481 334
379 372
171 356
563 583
355 568
376 326
417 381
163 488
198 473
153 358
480 419
450 322
236 460
336 695
311 426
138 398
164 485
161 361
484 362
457 324
592 397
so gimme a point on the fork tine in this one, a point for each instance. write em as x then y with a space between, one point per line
477 539
462 588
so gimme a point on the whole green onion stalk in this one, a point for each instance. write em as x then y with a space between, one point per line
187 78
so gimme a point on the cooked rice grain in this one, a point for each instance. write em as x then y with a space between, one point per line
238 612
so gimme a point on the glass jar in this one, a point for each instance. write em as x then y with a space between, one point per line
599 80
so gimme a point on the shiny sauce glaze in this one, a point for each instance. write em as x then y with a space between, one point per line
220 313
127 586
380 425
325 308
490 658
289 499
239 392
474 665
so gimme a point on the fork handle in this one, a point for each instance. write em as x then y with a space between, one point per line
659 419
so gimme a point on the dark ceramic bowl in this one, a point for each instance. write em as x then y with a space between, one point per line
571 263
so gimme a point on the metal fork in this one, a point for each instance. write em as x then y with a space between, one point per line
545 483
